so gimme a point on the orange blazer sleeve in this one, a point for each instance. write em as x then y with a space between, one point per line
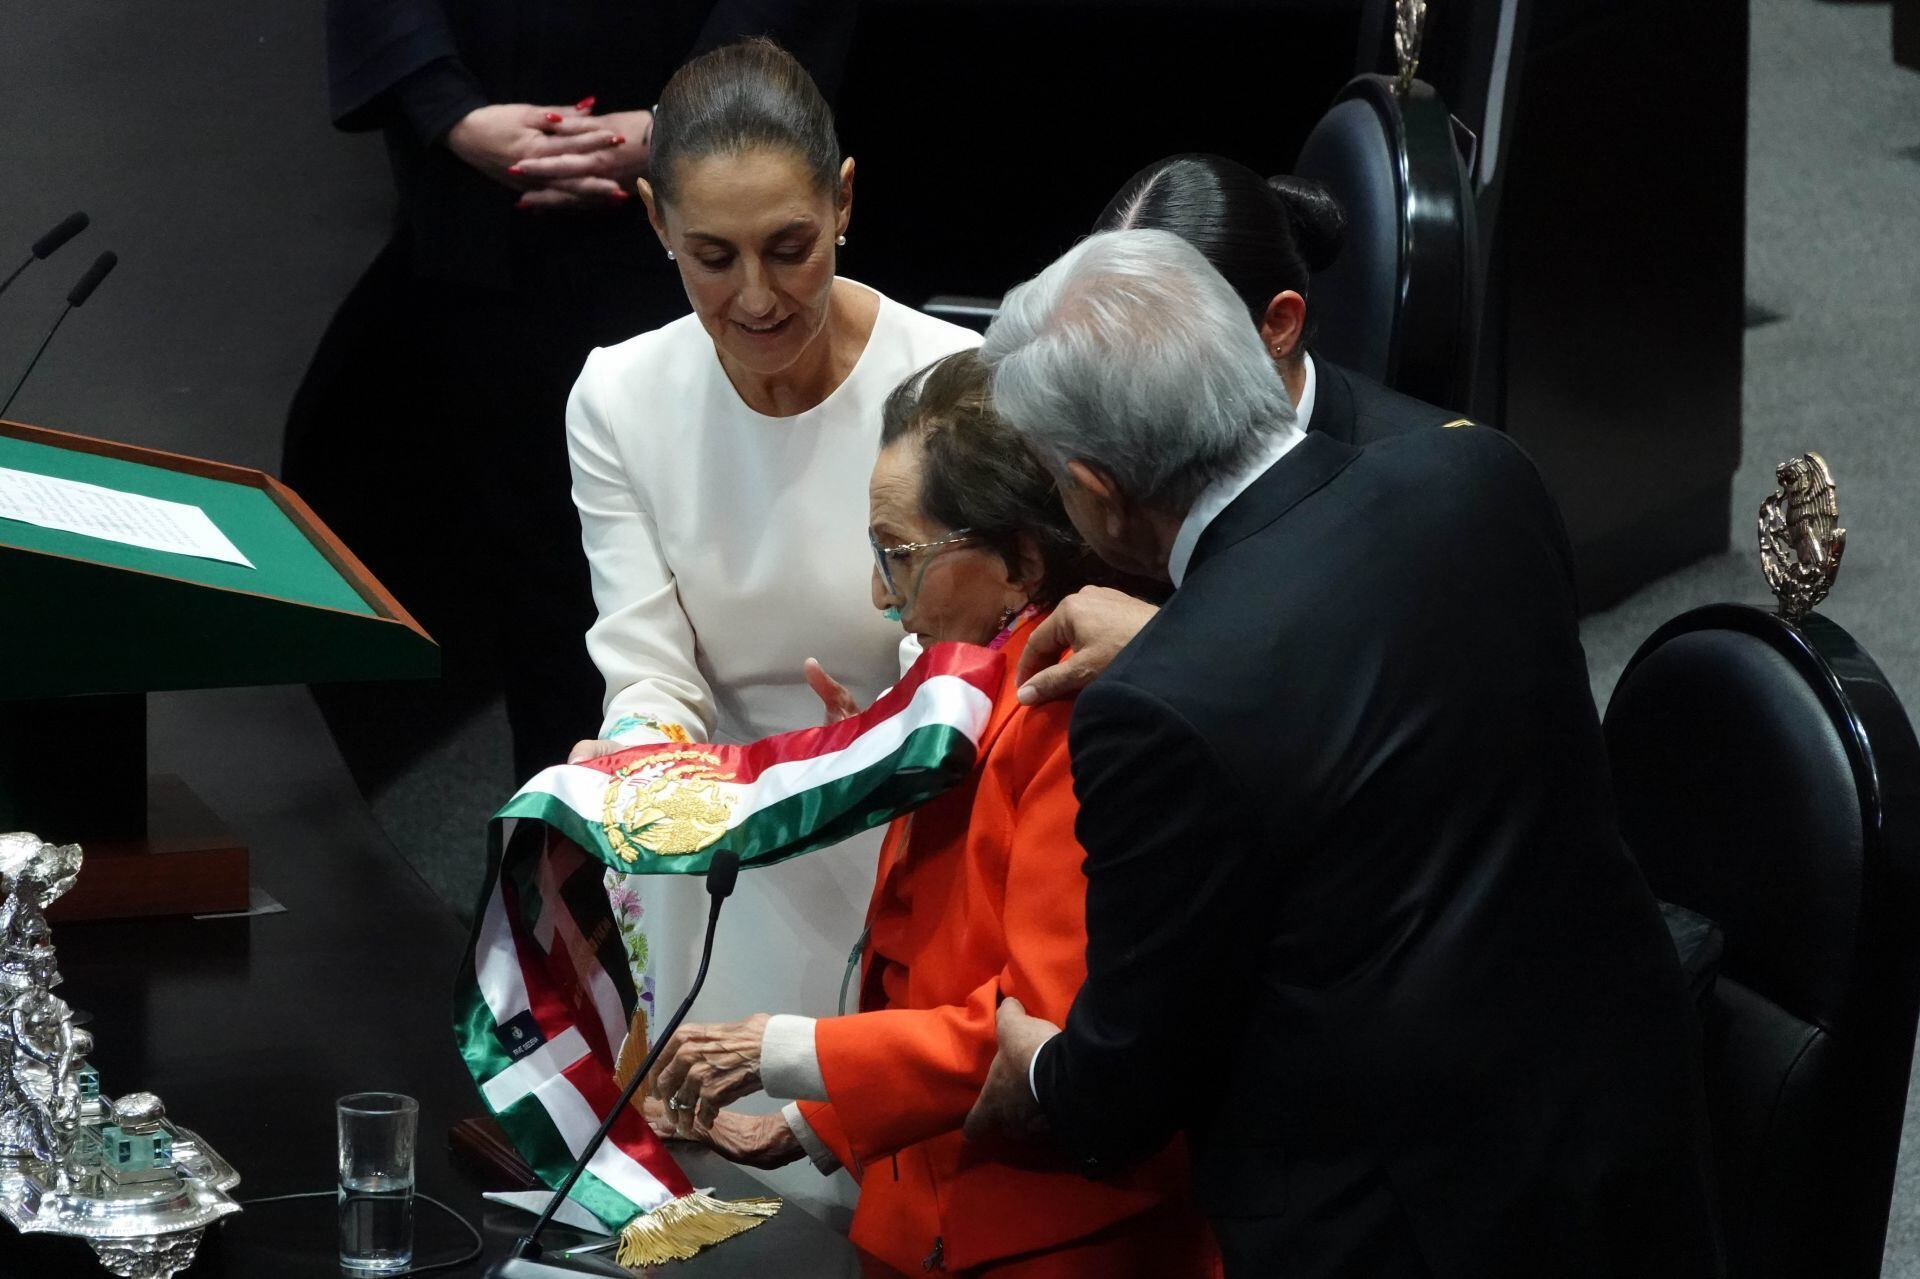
897 1076
825 1124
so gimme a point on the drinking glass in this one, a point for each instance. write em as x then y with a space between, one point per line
377 1132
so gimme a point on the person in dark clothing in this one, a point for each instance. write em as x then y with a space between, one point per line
1267 237
429 430
1359 917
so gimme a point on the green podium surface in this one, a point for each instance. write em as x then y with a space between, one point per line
87 615
88 626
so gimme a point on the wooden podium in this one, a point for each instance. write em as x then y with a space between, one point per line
89 626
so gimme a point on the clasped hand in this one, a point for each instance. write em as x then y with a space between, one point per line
558 157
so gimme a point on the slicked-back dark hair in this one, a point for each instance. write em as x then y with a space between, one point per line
977 474
751 93
1265 236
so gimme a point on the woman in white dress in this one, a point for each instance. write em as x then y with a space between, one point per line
720 467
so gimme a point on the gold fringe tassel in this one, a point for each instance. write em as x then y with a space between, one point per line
680 1228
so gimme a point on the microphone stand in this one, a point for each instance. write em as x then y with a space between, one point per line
40 351
76 296
16 272
526 1249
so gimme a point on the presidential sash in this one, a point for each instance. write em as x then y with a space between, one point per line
546 997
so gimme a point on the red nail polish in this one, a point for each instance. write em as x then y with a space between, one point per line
519 204
552 118
514 170
619 141
585 104
621 195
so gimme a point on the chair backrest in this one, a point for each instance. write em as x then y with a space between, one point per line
1768 778
1400 302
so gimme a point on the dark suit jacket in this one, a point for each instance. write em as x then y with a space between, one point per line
1358 914
1355 409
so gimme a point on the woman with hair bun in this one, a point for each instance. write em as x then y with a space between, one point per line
1268 236
719 467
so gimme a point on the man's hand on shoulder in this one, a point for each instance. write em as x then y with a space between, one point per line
1095 622
1007 1108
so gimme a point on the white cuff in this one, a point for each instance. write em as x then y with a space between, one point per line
809 1139
789 1064
1033 1083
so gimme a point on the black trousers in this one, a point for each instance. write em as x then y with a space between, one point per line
430 433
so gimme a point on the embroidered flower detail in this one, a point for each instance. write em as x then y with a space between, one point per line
666 728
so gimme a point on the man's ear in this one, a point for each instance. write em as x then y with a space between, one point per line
656 218
1097 482
1282 324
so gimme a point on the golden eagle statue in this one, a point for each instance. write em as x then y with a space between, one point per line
1800 538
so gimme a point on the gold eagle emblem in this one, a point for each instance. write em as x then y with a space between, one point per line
669 804
1800 539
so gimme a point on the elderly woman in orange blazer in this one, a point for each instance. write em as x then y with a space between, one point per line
980 896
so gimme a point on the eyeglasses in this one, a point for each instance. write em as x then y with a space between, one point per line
905 552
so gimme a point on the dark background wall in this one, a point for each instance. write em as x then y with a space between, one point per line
195 134
990 135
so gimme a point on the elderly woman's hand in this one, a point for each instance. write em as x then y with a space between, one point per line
659 1118
705 1067
758 1141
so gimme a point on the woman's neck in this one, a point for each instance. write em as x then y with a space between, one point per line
822 367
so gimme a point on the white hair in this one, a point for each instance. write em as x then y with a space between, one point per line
1133 354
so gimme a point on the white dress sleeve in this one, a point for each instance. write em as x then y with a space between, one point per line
642 641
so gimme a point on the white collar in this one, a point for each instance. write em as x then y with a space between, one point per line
1303 411
1219 495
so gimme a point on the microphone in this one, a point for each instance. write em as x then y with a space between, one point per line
44 247
77 295
521 1263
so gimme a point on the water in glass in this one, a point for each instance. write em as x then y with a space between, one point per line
377 1135
376 1225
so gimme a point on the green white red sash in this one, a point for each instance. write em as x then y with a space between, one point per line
545 997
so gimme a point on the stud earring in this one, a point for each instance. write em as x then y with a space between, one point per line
840 240
670 258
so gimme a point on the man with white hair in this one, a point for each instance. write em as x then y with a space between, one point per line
1359 918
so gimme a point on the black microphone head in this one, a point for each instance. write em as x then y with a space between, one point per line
722 874
44 246
91 280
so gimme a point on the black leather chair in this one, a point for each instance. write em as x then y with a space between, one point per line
1769 779
1400 302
